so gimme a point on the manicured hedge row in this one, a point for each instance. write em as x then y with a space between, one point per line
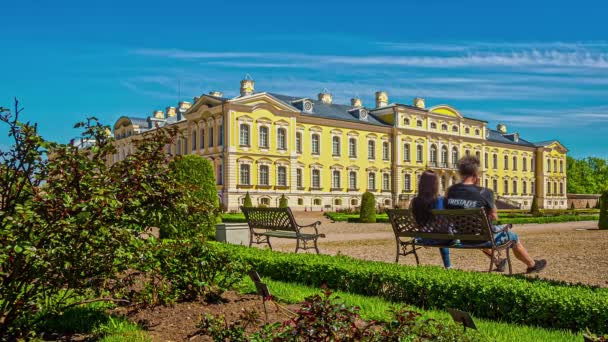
547 219
233 218
498 297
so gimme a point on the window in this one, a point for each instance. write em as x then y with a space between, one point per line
281 139
467 130
548 188
371 149
335 146
495 185
495 161
335 179
281 176
454 156
548 165
485 159
532 189
210 137
407 182
506 162
467 152
454 129
244 135
386 184
555 188
352 148
265 201
433 155
337 201
477 132
371 181
220 174
300 201
524 164
514 187
317 201
406 152
201 144
194 140
315 144
419 154
263 178
532 166
316 179
524 188
561 188
354 202
561 166
514 163
179 146
419 123
506 187
444 156
299 178
433 125
444 127
486 183
385 151
478 155
406 122
299 142
352 180
245 180
220 133
554 165
263 137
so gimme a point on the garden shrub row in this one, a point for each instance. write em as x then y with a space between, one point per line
547 219
513 299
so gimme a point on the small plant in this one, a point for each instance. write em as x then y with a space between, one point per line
247 203
283 202
603 222
368 208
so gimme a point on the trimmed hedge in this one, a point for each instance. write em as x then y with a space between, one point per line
547 219
234 218
368 208
513 299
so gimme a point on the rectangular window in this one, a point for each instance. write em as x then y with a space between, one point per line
299 142
335 146
244 135
371 181
221 135
486 160
419 155
335 179
210 136
282 139
406 152
282 176
514 187
352 180
194 140
514 163
201 144
494 161
386 184
245 180
524 164
561 166
506 162
263 137
407 183
352 148
299 178
315 144
495 185
263 178
316 179
371 150
385 151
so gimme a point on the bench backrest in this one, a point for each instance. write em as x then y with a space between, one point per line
451 224
270 218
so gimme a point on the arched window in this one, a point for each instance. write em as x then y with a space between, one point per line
335 146
352 148
315 145
335 179
495 185
244 135
561 166
245 174
299 142
419 154
194 140
548 188
444 127
525 188
201 144
264 137
554 165
454 129
407 182
506 187
419 123
386 184
555 188
467 130
506 162
478 155
371 149
433 125
385 151
514 187
352 180
532 189
210 136
354 201
433 155
281 176
282 139
454 156
477 132
524 164
316 178
495 161
265 201
263 178
371 181
486 160
406 121
514 163
444 156
548 165
337 201
467 152
561 188
317 201
406 152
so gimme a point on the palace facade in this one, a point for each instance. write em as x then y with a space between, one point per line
323 155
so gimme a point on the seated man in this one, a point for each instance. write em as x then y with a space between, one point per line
468 194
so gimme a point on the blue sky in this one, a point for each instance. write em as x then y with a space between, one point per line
541 67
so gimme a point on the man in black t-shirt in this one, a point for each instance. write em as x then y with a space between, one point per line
468 194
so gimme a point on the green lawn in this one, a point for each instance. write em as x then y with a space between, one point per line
375 308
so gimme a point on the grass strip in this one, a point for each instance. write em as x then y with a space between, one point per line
375 308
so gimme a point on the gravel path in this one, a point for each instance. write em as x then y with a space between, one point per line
575 251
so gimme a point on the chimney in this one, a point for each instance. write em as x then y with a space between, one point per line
217 93
247 86
381 99
502 128
171 112
184 106
325 96
356 102
158 114
419 102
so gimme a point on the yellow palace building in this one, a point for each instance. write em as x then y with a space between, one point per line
323 156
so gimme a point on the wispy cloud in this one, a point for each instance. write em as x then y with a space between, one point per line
583 117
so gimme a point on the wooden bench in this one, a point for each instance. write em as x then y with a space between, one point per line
265 223
470 226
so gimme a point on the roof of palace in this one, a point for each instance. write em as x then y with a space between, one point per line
509 138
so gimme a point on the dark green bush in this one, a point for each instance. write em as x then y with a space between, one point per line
283 202
513 299
247 203
368 208
603 221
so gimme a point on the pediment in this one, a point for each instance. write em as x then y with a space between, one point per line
446 110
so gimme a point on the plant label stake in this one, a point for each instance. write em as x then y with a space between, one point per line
255 277
265 293
462 317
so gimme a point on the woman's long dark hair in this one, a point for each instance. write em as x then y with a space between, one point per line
424 202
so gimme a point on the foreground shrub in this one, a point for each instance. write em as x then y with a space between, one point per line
324 318
368 208
603 222
511 299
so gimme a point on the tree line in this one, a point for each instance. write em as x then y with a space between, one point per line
587 175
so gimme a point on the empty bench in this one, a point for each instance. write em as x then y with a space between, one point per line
470 227
265 223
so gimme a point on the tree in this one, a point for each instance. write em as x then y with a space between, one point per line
534 208
283 202
247 203
367 213
603 222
